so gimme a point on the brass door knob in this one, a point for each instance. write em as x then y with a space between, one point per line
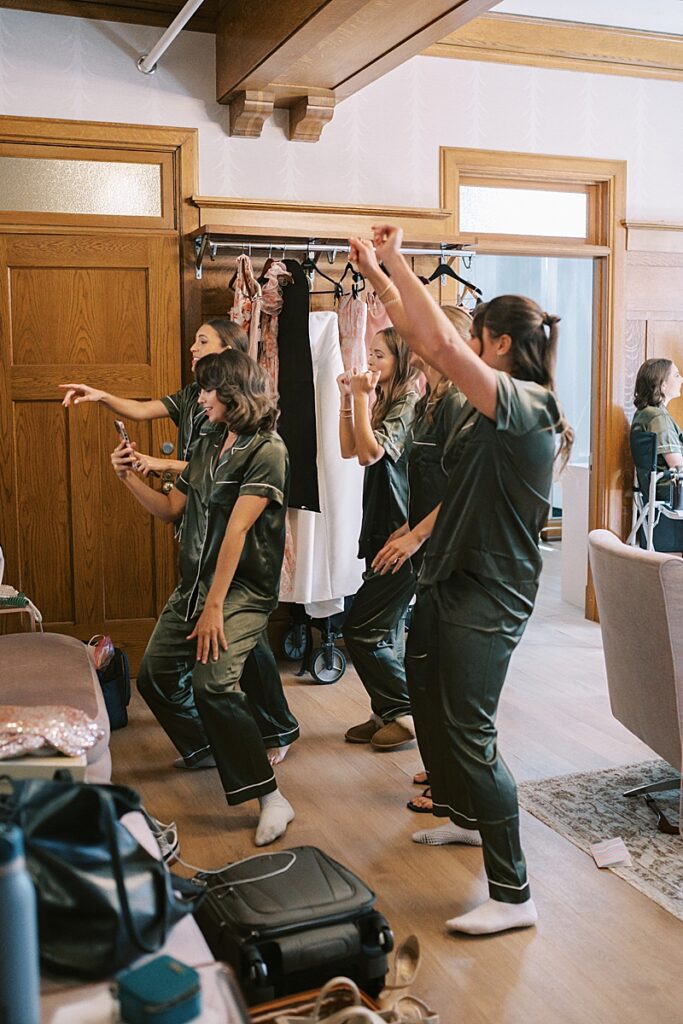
167 476
167 487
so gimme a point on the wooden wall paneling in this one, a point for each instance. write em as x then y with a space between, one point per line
44 500
635 348
166 343
89 517
9 526
129 576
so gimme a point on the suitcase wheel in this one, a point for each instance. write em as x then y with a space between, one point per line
256 970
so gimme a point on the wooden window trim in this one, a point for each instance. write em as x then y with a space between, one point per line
606 182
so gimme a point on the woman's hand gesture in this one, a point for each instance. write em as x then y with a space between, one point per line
344 384
209 634
395 553
123 459
81 393
387 241
364 383
362 254
146 464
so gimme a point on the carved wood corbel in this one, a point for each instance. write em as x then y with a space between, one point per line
248 111
309 114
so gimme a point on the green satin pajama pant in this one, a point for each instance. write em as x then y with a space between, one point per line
462 635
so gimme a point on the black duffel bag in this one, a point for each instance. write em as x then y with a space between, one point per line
115 683
103 900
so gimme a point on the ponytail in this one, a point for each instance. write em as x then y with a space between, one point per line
535 337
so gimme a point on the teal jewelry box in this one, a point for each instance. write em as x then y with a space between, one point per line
164 991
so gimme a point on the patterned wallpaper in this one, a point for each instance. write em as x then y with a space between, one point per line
382 145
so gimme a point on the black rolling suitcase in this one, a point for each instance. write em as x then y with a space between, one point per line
291 920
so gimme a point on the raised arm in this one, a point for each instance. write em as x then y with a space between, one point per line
347 439
129 408
368 449
427 331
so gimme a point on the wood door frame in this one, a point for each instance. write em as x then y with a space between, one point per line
605 183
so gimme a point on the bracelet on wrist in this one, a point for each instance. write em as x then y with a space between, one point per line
387 289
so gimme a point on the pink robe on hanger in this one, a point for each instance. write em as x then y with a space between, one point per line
272 299
246 308
352 314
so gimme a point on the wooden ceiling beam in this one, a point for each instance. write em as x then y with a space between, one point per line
310 54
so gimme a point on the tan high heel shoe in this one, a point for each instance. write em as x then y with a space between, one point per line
406 965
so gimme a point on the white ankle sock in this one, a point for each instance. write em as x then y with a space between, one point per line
493 916
448 833
276 814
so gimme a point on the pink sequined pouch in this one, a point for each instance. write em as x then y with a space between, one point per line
54 727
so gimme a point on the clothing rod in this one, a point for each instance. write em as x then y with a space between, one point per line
448 248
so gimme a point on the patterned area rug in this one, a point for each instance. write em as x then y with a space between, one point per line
589 806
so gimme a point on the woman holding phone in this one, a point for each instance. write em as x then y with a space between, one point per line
233 494
481 569
261 678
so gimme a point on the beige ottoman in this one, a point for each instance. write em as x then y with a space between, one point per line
48 668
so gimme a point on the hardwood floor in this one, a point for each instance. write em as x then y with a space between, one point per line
602 952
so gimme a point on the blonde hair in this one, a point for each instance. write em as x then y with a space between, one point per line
462 321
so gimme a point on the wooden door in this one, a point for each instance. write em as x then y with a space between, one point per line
102 309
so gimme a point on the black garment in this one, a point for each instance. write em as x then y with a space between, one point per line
296 425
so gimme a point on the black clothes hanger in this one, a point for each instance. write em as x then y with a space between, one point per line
357 279
443 270
310 266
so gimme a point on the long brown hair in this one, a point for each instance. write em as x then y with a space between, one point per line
242 386
462 321
650 382
403 378
230 334
533 351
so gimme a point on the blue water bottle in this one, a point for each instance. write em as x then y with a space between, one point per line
19 970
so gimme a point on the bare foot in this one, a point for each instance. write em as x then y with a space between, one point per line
421 779
277 754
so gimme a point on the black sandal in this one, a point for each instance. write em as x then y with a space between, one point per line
413 806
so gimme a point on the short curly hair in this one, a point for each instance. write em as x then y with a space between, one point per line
650 381
243 387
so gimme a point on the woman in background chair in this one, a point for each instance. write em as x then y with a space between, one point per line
657 383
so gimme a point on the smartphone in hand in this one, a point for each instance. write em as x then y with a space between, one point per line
123 434
121 430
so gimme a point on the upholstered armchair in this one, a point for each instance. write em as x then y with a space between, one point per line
640 603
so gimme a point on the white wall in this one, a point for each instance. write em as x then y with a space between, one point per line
382 145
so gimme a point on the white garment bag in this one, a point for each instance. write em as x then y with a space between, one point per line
327 568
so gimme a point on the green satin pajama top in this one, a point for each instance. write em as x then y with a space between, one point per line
189 417
385 484
256 464
426 475
498 493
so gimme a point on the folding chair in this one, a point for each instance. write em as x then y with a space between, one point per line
656 524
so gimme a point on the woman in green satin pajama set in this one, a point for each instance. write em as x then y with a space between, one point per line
480 577
260 678
374 629
233 495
